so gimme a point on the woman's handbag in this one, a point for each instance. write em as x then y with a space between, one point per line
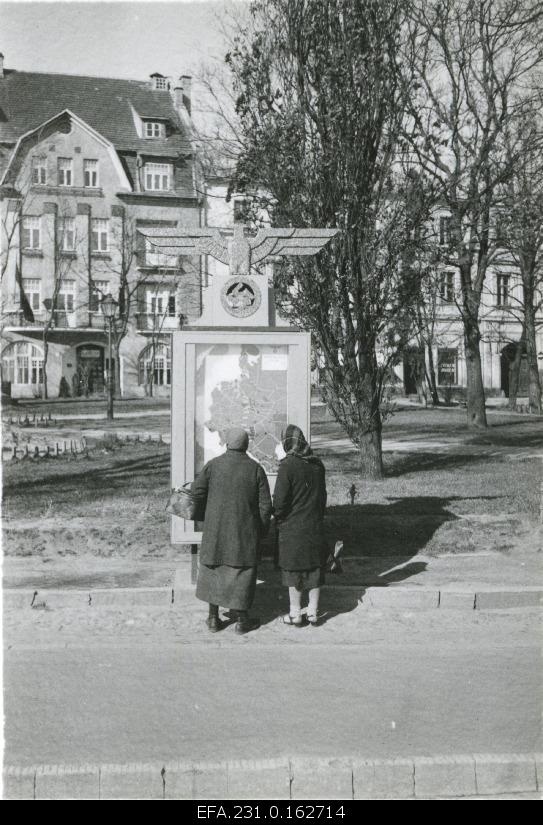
182 502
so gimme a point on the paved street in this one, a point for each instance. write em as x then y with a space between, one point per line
415 683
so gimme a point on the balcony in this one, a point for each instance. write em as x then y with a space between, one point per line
151 322
16 318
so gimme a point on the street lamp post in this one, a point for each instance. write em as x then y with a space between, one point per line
109 306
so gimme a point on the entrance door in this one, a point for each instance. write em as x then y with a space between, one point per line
89 378
413 370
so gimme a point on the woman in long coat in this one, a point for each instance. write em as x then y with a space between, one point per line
299 504
234 490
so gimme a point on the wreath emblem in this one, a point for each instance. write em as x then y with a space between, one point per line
241 297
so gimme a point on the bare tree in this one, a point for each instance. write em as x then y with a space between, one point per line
521 225
64 244
321 105
474 62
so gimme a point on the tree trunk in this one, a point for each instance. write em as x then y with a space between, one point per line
534 383
432 382
370 440
514 372
371 456
45 355
475 390
117 357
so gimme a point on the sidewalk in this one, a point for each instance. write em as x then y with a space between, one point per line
464 581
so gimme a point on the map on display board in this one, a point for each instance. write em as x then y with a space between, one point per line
240 385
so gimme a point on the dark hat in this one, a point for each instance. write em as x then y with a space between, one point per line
237 439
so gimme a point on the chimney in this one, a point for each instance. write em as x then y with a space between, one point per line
182 92
1 65
159 82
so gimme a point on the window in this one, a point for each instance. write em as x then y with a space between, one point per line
500 228
155 305
66 234
157 176
502 290
99 290
155 370
444 230
446 287
65 176
31 233
161 83
90 173
99 235
447 367
161 303
153 129
66 296
39 170
32 290
240 211
22 363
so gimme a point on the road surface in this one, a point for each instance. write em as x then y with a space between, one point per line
379 685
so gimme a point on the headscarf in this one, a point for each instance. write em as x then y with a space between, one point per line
294 443
237 439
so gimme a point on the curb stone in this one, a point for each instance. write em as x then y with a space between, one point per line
505 773
455 776
380 597
134 781
72 782
383 779
321 779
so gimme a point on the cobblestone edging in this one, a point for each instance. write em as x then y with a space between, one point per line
398 597
285 778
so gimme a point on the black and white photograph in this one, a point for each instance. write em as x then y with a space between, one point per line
271 400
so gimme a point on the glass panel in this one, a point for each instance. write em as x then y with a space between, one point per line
240 385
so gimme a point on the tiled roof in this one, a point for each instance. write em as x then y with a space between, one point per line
28 99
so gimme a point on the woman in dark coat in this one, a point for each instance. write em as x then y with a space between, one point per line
234 491
299 504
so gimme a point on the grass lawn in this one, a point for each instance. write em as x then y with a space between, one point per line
479 492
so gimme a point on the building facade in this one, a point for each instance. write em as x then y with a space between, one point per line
85 162
500 325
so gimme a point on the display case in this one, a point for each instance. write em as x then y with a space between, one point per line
258 380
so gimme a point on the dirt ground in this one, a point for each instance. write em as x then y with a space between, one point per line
446 490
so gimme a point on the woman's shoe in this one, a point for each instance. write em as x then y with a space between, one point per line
214 624
313 620
244 625
293 621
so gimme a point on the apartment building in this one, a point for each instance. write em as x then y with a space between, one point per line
85 162
500 325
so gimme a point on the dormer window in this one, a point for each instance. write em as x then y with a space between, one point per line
153 129
158 176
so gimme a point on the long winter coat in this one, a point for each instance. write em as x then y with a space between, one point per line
299 502
235 492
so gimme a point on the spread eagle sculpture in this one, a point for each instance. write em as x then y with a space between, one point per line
241 251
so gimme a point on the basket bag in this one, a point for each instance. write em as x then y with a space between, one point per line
181 503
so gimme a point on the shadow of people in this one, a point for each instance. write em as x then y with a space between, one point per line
379 541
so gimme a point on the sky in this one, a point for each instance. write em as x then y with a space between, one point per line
113 39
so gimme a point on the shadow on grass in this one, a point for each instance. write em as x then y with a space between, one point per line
400 464
378 540
55 478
